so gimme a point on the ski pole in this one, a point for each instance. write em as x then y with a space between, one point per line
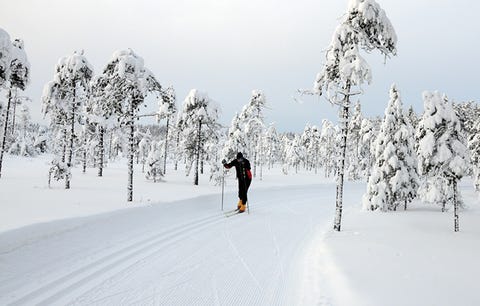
223 184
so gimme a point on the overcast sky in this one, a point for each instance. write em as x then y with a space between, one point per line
228 48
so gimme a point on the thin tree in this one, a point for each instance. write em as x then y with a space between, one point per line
129 82
199 117
65 97
167 110
253 124
442 152
16 71
365 26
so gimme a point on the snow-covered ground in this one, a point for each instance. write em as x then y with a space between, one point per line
173 245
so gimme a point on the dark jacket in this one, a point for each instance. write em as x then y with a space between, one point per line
242 166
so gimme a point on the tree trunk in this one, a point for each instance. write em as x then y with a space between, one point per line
261 172
131 153
255 164
110 149
85 149
178 142
84 166
197 157
72 135
5 127
102 151
166 148
14 110
64 145
343 149
455 207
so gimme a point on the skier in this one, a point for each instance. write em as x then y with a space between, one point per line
244 176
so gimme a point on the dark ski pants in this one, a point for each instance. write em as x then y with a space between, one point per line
243 186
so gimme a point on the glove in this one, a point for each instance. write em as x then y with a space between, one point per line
224 162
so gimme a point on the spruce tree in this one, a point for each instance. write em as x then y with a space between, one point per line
394 179
442 153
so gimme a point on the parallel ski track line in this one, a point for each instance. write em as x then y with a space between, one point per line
237 254
279 281
54 290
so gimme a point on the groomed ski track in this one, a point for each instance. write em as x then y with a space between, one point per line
178 253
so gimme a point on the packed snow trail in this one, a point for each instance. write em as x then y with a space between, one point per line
179 253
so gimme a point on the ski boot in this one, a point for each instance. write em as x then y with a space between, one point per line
242 207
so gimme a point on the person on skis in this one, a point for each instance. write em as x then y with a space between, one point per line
244 177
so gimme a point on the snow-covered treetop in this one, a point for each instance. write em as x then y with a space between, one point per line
129 67
14 66
198 106
70 72
20 66
441 146
369 20
252 115
437 110
123 85
5 55
258 100
166 103
73 69
365 26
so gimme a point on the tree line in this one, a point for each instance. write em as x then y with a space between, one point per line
95 117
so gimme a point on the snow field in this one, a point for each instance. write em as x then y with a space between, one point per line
183 252
173 245
408 257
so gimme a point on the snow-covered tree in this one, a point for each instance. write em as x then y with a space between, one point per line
253 125
394 177
474 147
14 76
167 110
144 148
129 82
313 147
200 123
271 145
100 113
235 138
64 99
153 167
353 143
412 117
24 142
442 152
367 139
364 26
293 152
329 147
5 55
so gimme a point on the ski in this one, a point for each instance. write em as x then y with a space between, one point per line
232 213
